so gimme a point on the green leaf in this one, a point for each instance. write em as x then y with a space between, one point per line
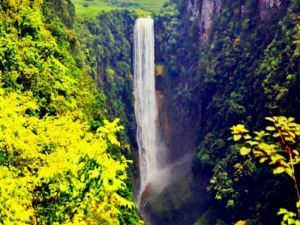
290 139
218 197
291 221
282 211
262 160
247 137
291 119
269 128
237 137
245 151
82 178
252 143
279 170
298 204
277 157
289 172
230 203
270 119
285 217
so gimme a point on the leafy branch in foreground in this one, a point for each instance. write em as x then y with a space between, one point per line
279 145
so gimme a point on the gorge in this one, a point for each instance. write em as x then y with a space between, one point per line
220 65
123 112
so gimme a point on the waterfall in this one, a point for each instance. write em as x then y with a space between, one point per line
145 102
159 176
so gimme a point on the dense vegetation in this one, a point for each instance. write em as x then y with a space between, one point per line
107 42
92 8
278 145
247 70
60 162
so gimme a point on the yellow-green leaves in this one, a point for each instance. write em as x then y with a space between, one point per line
284 128
33 59
279 170
245 151
241 222
279 145
55 162
238 131
237 137
289 218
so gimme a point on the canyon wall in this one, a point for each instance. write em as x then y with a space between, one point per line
207 11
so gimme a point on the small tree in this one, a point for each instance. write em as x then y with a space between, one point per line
278 145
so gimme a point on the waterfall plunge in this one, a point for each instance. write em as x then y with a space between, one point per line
151 149
161 179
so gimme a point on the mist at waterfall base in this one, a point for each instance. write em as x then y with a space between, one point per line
167 191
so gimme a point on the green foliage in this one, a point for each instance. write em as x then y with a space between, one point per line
229 181
177 49
297 41
91 9
107 43
248 68
281 151
63 9
60 163
278 145
288 217
280 65
33 60
56 171
172 47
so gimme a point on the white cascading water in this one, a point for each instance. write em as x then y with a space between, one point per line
156 172
145 102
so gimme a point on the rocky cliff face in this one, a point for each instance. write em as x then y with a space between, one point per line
210 9
265 7
193 7
207 10
271 3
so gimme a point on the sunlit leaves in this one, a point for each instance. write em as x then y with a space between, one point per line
32 59
245 150
56 161
241 222
279 170
279 145
289 218
238 131
269 128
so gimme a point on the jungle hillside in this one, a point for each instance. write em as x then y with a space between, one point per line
157 112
